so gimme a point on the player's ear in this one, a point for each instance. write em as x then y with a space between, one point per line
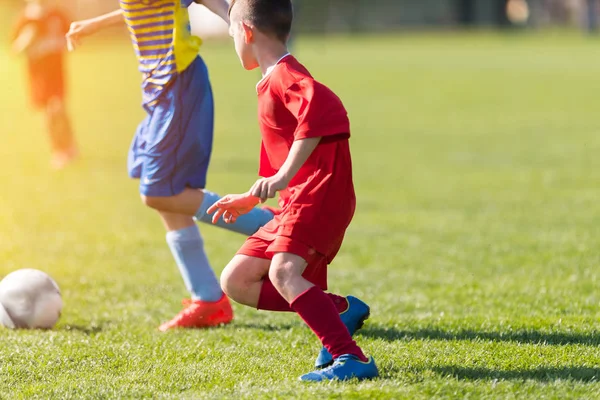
248 33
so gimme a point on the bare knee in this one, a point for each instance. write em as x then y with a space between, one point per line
230 283
235 281
283 270
55 107
242 277
156 203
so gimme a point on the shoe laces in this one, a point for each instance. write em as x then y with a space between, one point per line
341 360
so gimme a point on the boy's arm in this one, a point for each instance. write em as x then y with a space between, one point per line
301 149
80 29
299 152
219 7
24 39
232 206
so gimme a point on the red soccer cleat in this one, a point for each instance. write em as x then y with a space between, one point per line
201 314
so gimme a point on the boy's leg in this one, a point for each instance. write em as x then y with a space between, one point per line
60 133
320 314
312 304
209 306
187 246
270 299
245 280
242 278
195 202
170 153
353 312
246 224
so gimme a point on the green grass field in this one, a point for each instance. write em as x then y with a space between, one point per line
476 239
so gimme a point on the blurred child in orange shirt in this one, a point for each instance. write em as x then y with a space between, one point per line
39 34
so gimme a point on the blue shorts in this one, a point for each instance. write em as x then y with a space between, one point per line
172 145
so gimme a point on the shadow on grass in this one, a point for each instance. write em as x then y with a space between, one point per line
518 336
265 327
573 373
87 330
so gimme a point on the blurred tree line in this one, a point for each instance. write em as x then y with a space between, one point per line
382 15
378 15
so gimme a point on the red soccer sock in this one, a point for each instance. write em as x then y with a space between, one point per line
319 313
270 299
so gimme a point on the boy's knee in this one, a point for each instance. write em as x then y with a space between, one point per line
241 276
283 271
233 283
156 203
55 106
148 201
228 283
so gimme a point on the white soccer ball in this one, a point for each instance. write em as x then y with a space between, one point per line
29 299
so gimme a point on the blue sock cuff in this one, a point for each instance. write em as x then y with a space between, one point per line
209 199
246 224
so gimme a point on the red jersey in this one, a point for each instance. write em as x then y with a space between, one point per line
45 55
319 203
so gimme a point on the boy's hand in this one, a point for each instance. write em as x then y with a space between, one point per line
80 29
267 188
77 31
232 206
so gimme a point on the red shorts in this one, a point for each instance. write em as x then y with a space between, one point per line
46 80
43 89
316 270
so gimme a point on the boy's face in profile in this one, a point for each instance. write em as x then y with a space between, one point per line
243 37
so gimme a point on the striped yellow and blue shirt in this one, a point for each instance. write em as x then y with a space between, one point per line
162 40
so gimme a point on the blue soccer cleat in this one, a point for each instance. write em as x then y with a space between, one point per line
354 318
344 368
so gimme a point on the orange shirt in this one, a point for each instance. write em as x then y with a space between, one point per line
49 44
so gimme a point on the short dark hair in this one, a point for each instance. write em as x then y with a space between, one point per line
273 17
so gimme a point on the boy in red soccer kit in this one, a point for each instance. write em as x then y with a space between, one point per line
40 35
305 156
